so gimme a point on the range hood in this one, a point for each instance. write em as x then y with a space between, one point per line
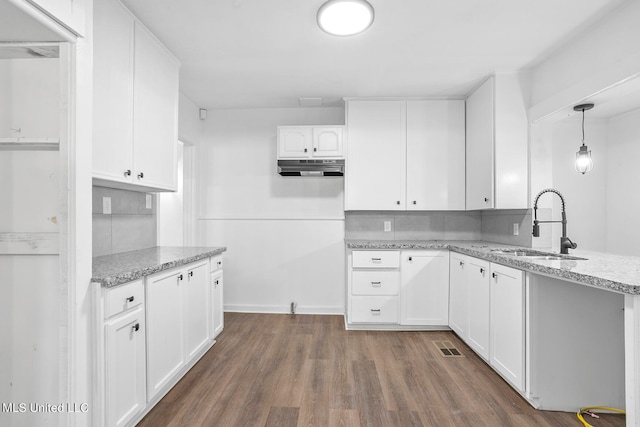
311 167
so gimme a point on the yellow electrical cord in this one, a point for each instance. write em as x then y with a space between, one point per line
602 408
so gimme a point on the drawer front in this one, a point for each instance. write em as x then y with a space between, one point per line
376 259
122 298
374 309
375 282
216 263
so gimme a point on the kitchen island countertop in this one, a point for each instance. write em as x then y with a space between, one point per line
617 273
113 270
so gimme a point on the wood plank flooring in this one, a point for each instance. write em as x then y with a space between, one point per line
306 370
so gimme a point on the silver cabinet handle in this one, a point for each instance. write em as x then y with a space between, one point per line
376 259
141 175
127 172
130 299
376 284
375 311
136 327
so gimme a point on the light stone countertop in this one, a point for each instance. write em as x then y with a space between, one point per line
618 273
113 270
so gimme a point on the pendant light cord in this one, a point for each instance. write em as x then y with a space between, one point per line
583 126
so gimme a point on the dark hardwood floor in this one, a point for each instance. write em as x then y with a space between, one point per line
306 370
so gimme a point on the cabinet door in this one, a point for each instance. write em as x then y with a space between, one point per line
294 142
125 367
425 288
327 142
155 125
165 343
480 144
196 299
507 323
435 155
376 153
478 306
458 294
112 92
217 303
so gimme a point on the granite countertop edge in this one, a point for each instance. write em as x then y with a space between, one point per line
605 271
117 269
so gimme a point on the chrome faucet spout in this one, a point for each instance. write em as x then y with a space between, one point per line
565 242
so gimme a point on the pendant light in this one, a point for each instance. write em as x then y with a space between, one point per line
584 163
345 17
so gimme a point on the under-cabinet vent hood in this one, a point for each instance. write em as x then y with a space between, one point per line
311 167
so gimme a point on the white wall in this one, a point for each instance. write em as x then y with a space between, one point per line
285 235
600 56
623 197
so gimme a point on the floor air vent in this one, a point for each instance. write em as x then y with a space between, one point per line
448 349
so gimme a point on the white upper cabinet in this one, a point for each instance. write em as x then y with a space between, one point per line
304 142
155 107
405 155
327 141
376 155
135 103
497 145
435 155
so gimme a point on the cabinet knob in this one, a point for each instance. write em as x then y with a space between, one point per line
315 149
219 263
305 150
486 199
130 299
216 282
494 275
461 263
191 273
127 172
180 277
415 203
481 270
397 202
136 327
410 258
141 175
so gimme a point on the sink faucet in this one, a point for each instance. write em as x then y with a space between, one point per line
565 242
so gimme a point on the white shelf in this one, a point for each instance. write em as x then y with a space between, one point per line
29 243
29 144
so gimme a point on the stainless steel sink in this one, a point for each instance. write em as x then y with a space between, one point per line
531 254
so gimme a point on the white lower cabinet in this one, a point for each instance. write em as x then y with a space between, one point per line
121 359
458 265
487 311
478 305
507 352
125 367
425 288
217 298
408 288
177 321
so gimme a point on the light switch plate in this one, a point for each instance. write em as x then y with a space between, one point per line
149 201
106 205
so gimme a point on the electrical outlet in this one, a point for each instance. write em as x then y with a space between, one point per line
106 205
387 226
516 229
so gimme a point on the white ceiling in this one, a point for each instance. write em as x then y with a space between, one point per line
269 53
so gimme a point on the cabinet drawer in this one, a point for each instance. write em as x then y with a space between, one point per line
376 282
376 259
216 263
123 297
374 309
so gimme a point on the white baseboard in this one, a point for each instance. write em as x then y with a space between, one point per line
239 308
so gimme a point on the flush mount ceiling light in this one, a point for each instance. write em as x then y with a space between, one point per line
584 163
345 17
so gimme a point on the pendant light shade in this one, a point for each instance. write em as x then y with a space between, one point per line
584 163
345 17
